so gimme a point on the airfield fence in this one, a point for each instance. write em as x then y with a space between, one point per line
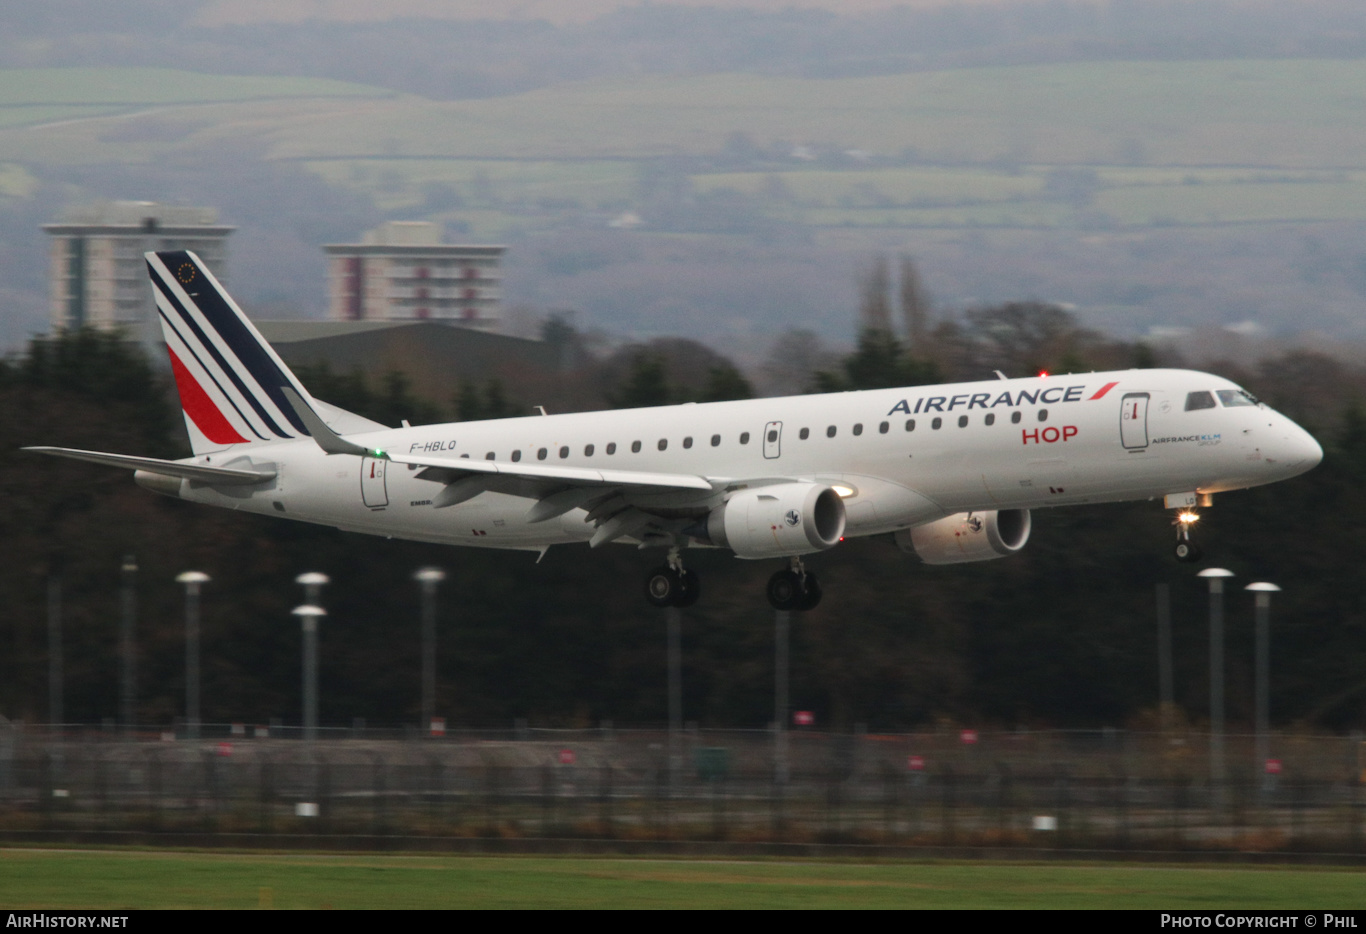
1058 789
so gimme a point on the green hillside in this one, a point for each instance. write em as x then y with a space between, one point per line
1175 143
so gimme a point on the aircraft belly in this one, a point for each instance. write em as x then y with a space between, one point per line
879 506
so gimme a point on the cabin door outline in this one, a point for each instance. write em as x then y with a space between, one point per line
773 440
373 491
1133 421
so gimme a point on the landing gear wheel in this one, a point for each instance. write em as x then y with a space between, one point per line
1187 551
793 590
689 590
664 587
812 595
785 590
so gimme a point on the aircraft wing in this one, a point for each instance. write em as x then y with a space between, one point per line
200 472
448 469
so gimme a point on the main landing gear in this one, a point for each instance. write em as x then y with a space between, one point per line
672 584
1186 549
794 589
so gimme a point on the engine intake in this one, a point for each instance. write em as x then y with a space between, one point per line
967 536
778 521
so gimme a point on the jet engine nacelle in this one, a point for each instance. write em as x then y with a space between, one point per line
967 536
778 521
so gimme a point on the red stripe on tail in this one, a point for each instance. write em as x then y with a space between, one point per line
197 404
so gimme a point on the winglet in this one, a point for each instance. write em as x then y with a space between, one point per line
327 439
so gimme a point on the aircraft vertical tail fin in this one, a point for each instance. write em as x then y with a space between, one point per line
231 383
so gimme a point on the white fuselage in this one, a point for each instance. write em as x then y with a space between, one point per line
900 457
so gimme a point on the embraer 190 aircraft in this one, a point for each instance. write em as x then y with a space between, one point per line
950 473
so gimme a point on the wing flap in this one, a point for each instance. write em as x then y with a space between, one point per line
572 475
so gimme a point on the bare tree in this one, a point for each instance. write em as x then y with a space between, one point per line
915 308
875 311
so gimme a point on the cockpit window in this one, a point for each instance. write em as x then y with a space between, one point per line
1199 400
1236 397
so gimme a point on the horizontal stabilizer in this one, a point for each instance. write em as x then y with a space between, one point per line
202 473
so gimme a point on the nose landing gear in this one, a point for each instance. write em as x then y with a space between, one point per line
1186 549
794 589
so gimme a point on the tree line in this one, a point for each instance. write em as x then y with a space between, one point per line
1062 634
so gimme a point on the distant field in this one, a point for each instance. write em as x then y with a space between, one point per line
160 879
1169 144
37 97
148 86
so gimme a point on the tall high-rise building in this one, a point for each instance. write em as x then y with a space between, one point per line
98 277
402 270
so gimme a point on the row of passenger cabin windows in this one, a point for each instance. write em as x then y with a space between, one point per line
935 424
831 431
611 448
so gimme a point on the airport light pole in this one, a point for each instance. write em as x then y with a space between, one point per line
55 688
127 632
309 617
782 624
1215 577
428 578
1263 592
673 624
313 583
1166 702
192 581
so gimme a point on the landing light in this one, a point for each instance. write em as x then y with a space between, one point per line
1186 518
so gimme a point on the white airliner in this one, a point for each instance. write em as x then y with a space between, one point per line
948 472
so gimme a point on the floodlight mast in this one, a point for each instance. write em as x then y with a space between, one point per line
428 578
1262 591
1215 577
309 618
192 581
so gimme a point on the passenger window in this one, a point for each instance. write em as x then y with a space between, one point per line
489 456
962 421
716 441
744 437
1014 418
663 443
910 424
773 436
882 429
516 455
936 423
564 452
635 447
1235 397
858 430
588 450
540 455
1043 415
611 447
830 432
687 442
804 433
990 418
1199 400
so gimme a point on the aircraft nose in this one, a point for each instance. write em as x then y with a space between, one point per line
1302 451
1310 449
